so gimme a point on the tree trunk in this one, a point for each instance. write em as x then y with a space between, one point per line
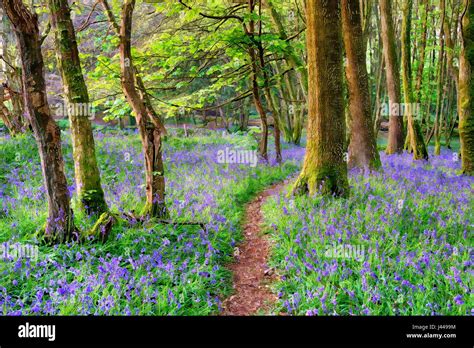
13 119
379 97
466 89
421 60
446 31
417 143
439 101
293 125
150 127
362 146
396 133
276 122
60 224
324 169
86 169
293 59
267 92
254 83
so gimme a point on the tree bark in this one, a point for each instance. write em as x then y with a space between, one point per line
466 89
446 31
324 169
86 170
267 92
396 132
149 126
439 99
11 122
417 143
60 223
13 118
421 65
254 83
362 146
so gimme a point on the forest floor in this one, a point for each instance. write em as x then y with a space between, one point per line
251 274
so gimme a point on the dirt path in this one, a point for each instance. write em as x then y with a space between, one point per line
252 275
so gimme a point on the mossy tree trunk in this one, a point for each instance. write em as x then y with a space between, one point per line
417 143
466 89
324 169
86 170
396 132
362 146
150 127
60 223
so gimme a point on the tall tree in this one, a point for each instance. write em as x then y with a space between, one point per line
440 92
60 224
362 146
446 32
87 173
324 167
266 88
149 125
254 60
424 8
466 89
396 133
414 130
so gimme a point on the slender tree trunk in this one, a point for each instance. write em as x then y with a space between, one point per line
11 122
286 123
362 146
60 224
446 31
466 89
439 101
293 59
267 92
254 83
421 64
294 123
276 122
86 169
417 143
13 119
396 133
150 127
324 169
379 97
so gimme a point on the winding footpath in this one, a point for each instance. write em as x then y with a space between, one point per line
252 276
